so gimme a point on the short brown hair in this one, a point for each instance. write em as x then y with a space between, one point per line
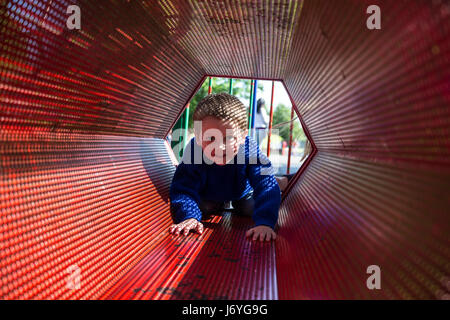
223 106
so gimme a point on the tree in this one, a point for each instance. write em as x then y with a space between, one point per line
241 89
282 114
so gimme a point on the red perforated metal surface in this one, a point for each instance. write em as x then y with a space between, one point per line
93 202
376 104
84 173
220 264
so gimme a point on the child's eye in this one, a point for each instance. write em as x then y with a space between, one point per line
209 139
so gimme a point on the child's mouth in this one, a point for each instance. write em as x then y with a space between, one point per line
213 154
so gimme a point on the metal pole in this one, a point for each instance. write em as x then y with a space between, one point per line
181 136
186 126
270 120
210 85
250 107
255 88
290 140
230 91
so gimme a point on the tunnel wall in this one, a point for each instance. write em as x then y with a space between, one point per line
85 171
376 104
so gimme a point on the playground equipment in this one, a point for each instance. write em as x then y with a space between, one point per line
85 169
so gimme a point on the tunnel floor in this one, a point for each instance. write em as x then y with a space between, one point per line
219 264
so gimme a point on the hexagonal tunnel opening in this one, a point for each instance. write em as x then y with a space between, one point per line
273 120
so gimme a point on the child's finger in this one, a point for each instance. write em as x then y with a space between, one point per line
199 228
255 236
172 228
268 236
249 232
262 236
186 229
274 235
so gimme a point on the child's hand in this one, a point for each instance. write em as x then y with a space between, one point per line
262 232
185 226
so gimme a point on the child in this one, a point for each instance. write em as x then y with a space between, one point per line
223 164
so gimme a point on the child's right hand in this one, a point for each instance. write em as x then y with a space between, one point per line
185 226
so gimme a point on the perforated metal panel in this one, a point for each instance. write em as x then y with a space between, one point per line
85 172
376 104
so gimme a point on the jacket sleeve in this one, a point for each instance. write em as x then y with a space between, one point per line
185 187
266 192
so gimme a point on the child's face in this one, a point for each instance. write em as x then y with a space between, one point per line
220 140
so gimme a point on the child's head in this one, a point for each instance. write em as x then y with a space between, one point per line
220 124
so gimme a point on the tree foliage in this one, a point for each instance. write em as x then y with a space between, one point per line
241 89
283 114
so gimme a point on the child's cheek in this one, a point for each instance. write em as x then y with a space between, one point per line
204 145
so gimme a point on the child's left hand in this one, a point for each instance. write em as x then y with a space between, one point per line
262 232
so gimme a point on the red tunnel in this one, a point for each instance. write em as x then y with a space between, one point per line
85 170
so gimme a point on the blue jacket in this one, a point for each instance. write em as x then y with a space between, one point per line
196 177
